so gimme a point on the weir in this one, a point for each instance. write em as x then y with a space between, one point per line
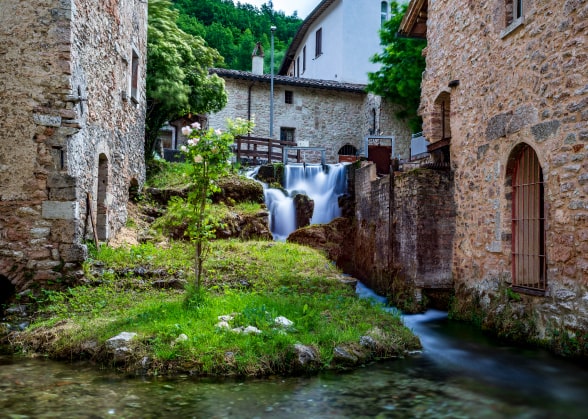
323 184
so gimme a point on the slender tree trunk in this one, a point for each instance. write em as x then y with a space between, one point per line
199 259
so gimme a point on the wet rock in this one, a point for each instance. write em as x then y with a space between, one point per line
304 208
119 345
342 356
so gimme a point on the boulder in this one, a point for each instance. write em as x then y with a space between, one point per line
304 208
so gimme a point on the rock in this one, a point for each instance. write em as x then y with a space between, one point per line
120 340
223 325
304 355
304 207
181 338
283 322
334 238
251 330
236 189
341 356
226 317
118 345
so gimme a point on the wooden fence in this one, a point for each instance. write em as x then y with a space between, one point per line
261 150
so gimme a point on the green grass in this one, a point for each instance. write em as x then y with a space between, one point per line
254 281
168 175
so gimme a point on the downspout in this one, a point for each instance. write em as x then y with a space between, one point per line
249 105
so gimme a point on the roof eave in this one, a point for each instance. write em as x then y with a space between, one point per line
414 22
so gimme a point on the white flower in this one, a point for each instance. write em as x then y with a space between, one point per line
186 131
184 148
198 159
218 131
196 125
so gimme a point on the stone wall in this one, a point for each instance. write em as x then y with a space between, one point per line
324 117
523 82
404 229
65 99
424 226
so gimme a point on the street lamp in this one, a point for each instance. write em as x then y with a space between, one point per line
271 124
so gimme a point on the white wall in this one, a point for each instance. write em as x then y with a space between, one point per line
350 38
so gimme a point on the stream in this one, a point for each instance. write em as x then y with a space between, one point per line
461 373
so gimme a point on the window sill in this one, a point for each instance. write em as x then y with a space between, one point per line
512 27
528 291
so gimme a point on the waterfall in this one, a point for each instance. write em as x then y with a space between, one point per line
322 184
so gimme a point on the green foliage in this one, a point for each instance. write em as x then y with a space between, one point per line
177 73
402 64
325 312
208 152
234 28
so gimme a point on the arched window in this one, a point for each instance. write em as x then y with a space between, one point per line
528 220
384 13
440 136
347 153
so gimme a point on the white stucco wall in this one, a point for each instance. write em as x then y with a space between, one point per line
350 37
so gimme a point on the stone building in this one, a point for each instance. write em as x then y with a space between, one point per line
317 113
505 103
72 106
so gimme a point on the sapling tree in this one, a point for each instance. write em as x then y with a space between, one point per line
208 151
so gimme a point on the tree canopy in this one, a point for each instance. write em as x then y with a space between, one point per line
178 81
234 29
402 65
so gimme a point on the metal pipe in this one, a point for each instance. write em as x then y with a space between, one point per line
271 123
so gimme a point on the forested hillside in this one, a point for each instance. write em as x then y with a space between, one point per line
234 28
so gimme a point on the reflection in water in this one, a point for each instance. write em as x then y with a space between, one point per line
460 373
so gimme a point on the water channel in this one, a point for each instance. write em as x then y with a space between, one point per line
460 373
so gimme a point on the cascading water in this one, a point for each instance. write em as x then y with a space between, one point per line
323 184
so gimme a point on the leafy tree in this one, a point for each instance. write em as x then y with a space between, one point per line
234 28
399 78
177 73
208 152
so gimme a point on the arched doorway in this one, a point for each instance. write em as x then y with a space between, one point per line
101 198
7 291
347 154
529 267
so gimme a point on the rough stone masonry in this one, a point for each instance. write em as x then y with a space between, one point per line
72 107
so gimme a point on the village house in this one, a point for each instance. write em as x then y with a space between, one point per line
337 40
72 101
505 103
330 115
319 96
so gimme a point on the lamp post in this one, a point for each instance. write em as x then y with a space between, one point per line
271 123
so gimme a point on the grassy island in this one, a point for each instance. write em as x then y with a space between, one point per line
262 307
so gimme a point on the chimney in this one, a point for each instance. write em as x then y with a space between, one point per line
257 59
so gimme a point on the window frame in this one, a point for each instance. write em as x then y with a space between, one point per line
286 132
288 97
528 247
318 43
134 76
514 16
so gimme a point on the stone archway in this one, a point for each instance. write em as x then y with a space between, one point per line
102 198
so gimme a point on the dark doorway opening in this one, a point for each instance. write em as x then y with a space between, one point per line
7 291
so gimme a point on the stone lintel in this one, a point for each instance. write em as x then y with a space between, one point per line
60 210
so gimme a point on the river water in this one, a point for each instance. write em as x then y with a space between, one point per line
460 374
